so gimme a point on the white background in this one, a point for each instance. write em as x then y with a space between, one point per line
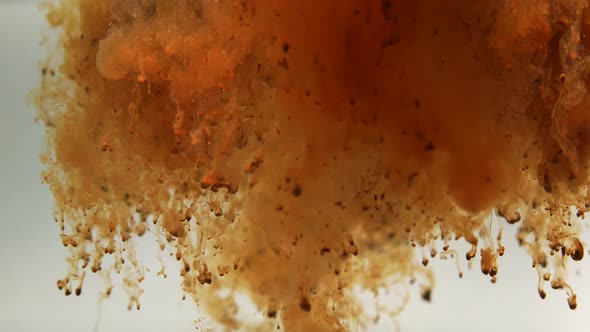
32 257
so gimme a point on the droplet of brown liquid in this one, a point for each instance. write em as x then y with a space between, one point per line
312 157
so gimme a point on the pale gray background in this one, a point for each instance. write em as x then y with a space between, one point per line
32 257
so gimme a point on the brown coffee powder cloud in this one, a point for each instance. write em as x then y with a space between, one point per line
290 150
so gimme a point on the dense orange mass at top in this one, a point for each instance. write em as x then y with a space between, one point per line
290 150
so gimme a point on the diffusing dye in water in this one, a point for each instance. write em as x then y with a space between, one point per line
297 151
